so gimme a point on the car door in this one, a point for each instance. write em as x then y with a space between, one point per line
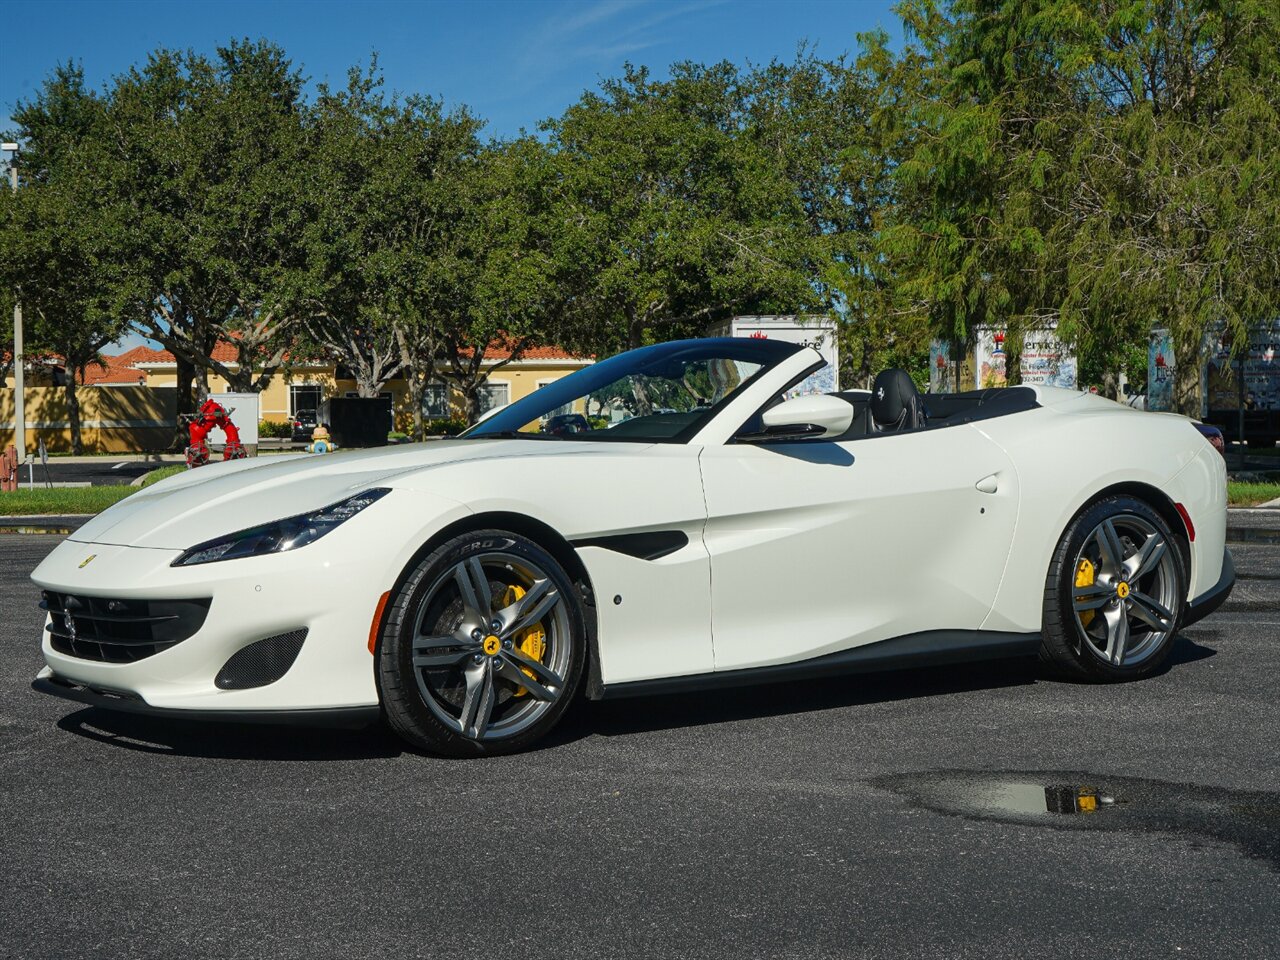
818 546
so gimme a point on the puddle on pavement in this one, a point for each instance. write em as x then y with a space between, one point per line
1250 820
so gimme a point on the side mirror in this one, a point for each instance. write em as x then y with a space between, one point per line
815 416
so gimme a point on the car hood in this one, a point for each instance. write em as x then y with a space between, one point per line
222 498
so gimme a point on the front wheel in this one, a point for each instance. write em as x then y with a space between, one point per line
1115 593
483 648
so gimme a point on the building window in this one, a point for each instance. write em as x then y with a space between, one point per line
304 396
435 401
494 395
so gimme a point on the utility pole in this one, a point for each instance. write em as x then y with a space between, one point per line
19 379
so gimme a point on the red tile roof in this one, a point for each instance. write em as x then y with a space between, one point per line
223 352
113 371
500 349
126 368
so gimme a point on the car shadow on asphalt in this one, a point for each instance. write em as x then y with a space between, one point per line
234 741
623 717
231 741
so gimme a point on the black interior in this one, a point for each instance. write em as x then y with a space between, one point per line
978 404
952 409
941 409
935 410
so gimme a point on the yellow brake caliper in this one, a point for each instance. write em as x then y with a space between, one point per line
1084 578
531 641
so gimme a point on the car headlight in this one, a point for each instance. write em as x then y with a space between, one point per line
281 535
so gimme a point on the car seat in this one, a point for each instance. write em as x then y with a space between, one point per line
896 404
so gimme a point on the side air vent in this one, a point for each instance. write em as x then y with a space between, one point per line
651 545
261 662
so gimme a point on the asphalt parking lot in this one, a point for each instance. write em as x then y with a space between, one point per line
96 471
880 816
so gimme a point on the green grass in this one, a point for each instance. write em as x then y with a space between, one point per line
155 476
1245 494
59 500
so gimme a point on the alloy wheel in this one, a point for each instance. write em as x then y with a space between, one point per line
1125 590
491 645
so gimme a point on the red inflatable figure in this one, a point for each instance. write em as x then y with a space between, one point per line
212 414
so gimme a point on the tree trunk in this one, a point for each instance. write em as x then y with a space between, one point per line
865 374
73 412
1013 358
185 401
471 400
1111 384
635 329
415 398
242 381
1186 377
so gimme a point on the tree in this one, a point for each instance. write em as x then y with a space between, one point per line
677 221
201 195
48 245
1178 203
977 240
513 278
383 205
834 128
1107 167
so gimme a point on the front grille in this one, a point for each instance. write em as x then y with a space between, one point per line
112 630
261 662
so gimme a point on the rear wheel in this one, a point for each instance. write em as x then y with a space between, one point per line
483 648
1115 593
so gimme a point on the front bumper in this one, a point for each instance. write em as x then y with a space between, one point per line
1215 596
341 717
330 590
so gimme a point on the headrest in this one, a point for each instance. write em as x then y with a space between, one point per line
895 402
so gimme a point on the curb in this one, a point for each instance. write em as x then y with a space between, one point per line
43 525
159 459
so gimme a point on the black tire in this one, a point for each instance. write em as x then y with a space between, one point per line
419 701
1071 647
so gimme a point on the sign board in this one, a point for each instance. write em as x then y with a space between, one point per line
950 367
1261 371
243 410
942 370
1160 371
989 359
816 332
1045 360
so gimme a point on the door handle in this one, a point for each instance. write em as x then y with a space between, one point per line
988 484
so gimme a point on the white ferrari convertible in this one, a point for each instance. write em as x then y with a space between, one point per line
670 518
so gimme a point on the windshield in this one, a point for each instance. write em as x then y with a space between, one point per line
666 392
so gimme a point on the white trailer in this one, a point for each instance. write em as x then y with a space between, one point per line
816 332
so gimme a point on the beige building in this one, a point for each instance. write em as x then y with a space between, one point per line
128 403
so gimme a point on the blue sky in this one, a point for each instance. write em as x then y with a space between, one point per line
515 62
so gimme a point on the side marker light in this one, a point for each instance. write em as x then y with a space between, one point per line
1186 521
377 620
